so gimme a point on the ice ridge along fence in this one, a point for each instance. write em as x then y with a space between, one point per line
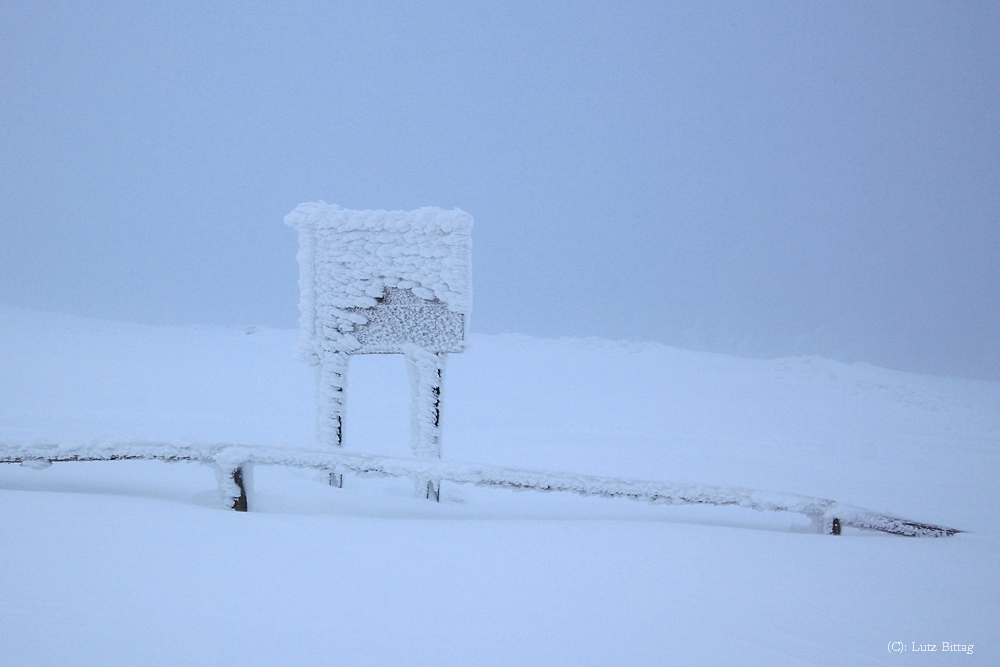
234 464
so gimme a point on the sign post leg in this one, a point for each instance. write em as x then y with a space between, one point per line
331 387
426 371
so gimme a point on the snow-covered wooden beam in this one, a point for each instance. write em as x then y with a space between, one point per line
234 465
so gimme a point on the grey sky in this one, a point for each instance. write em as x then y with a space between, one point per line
755 178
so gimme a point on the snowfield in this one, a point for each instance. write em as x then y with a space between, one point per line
138 562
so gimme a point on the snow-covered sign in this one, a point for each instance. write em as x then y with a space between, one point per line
383 282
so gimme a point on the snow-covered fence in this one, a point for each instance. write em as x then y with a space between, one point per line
383 282
234 472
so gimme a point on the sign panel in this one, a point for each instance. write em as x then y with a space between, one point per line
384 282
374 281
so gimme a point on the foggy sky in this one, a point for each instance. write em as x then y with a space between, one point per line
761 179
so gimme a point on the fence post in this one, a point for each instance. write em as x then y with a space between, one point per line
235 484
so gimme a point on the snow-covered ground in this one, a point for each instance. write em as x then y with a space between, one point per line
137 563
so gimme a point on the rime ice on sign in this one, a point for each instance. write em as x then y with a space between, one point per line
383 282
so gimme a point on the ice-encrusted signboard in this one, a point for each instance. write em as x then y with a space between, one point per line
383 282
